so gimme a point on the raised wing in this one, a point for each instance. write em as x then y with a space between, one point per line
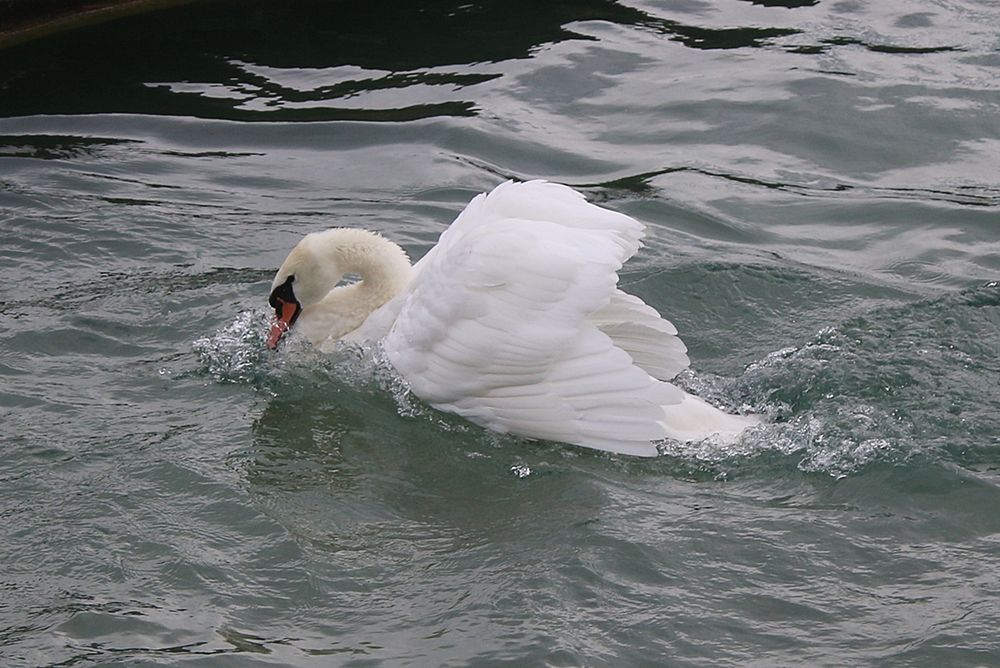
497 326
548 202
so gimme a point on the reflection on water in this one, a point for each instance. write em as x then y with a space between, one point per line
310 61
280 73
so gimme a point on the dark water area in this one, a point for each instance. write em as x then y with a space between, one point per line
820 184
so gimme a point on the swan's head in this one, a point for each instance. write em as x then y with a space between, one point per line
315 266
306 276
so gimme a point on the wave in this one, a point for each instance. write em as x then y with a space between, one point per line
916 381
904 383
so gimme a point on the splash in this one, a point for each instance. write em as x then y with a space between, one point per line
235 353
366 367
911 382
799 391
812 412
520 471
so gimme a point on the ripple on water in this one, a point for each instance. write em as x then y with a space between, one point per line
898 383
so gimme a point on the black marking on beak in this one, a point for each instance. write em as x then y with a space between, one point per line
283 293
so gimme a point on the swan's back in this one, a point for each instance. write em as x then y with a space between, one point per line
514 321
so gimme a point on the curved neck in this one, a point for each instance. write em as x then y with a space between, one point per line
384 271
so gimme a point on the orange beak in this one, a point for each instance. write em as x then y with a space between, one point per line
286 312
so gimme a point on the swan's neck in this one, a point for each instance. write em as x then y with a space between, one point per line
383 270
382 267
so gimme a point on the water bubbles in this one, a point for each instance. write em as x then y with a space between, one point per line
237 354
520 471
234 353
834 439
828 404
847 456
366 366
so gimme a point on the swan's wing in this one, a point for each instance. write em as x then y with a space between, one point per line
531 200
639 330
547 202
495 326
633 326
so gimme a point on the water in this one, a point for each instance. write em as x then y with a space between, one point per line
820 184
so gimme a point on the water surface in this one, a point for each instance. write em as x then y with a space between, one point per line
819 181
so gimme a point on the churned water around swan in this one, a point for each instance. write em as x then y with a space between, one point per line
819 180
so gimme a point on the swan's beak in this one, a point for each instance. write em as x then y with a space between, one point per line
286 313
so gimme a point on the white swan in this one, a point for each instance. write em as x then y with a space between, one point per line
513 321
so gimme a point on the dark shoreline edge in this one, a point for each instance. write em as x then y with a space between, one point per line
25 20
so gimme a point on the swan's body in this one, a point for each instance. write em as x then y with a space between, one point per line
513 321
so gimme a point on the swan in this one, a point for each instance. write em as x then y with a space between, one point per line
513 320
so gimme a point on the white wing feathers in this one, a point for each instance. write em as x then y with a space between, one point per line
639 330
550 202
514 321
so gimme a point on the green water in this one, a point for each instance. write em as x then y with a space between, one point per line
820 184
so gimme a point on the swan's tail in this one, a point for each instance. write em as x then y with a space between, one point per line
695 419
